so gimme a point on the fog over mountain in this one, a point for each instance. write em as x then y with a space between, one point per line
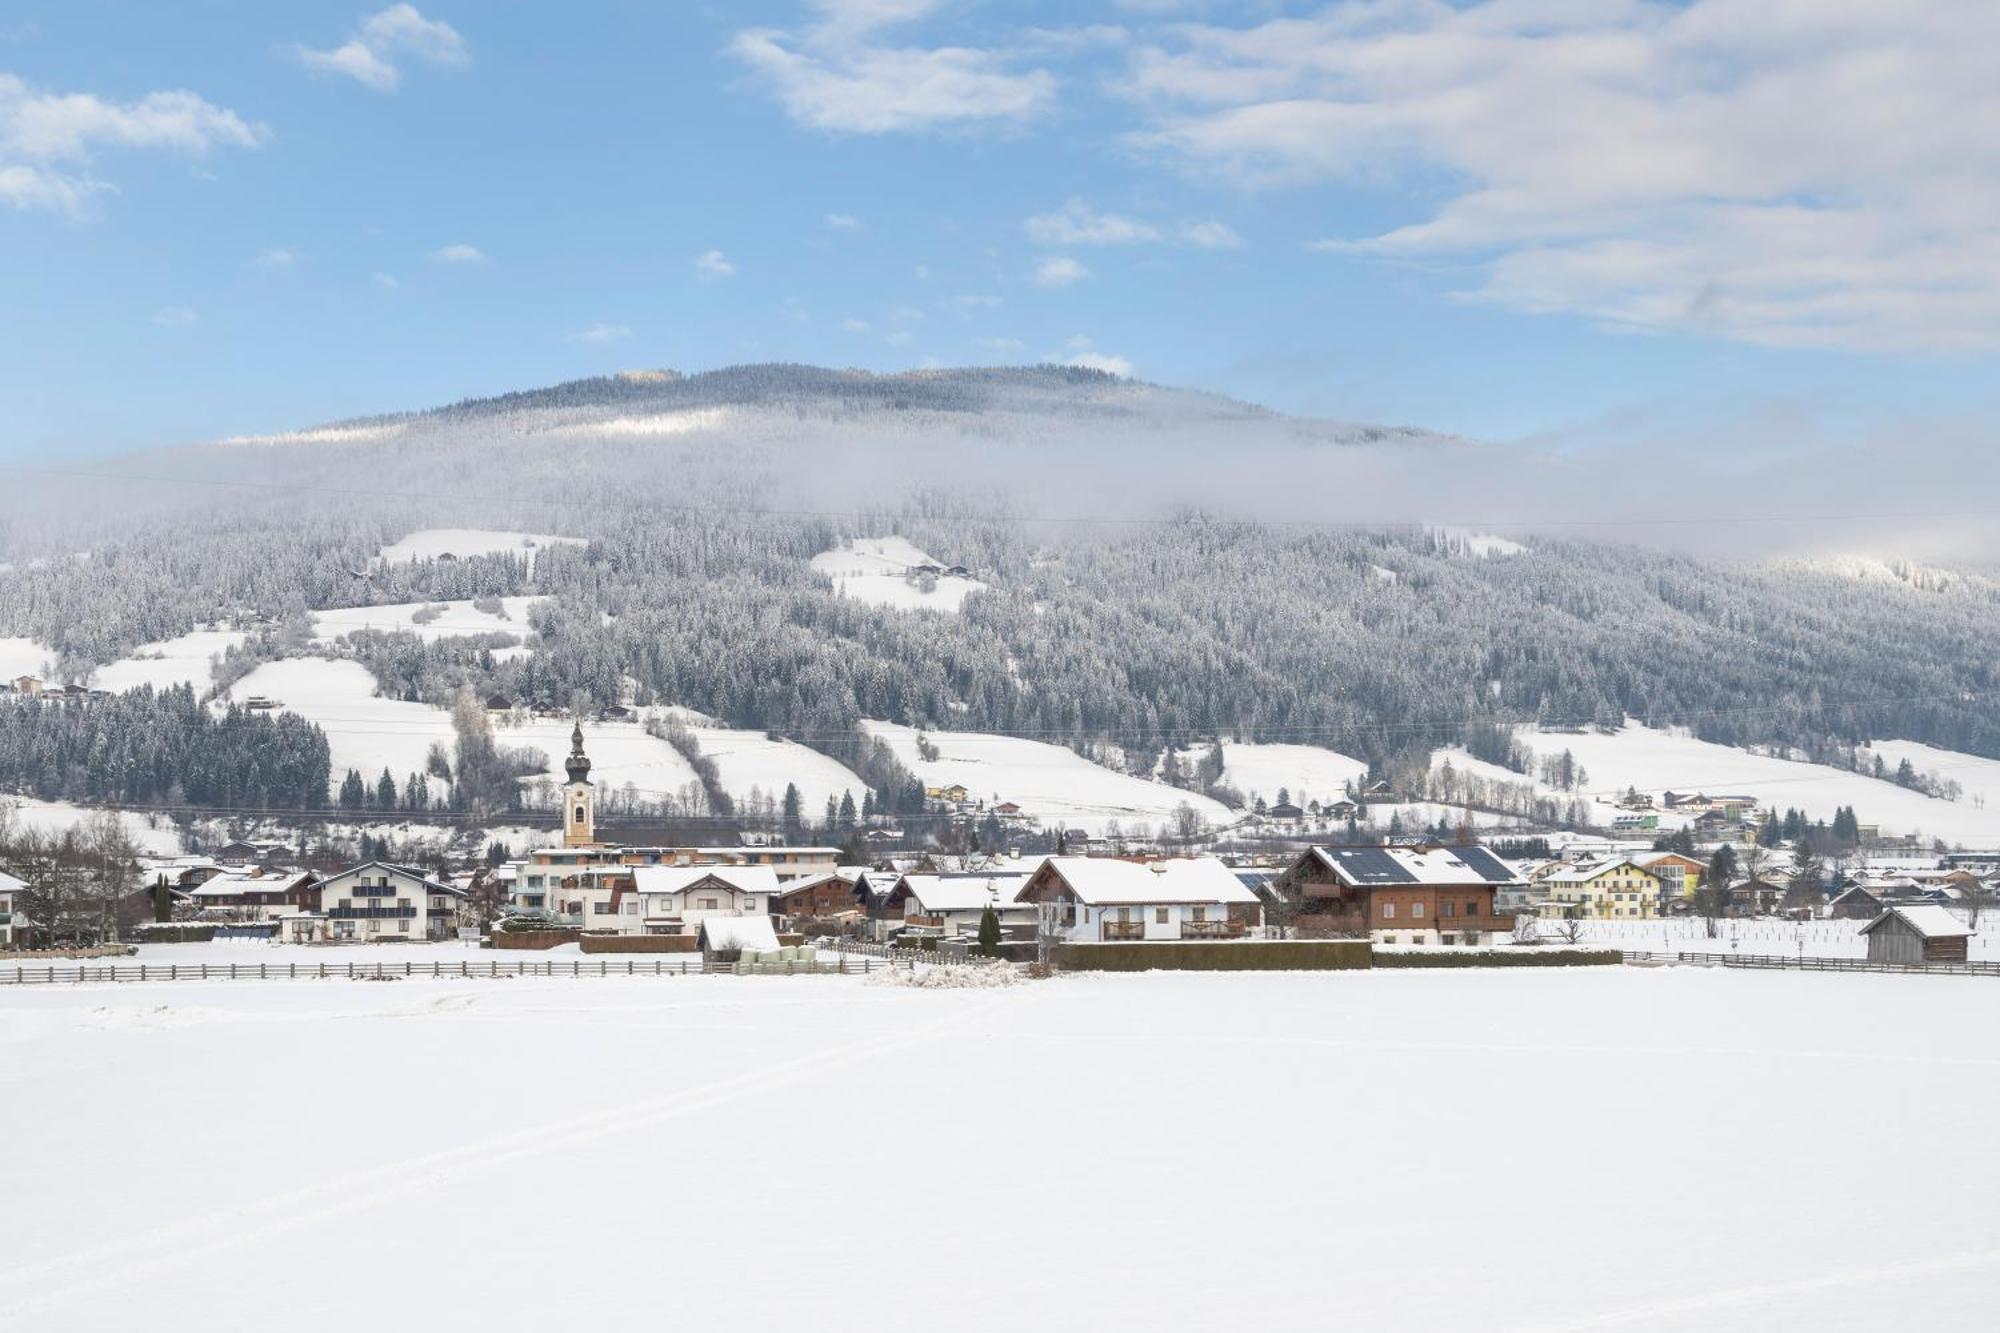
1151 564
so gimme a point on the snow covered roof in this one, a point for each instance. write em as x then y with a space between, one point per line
8 884
1415 865
230 883
962 893
673 879
1197 879
407 872
1927 919
737 932
1583 874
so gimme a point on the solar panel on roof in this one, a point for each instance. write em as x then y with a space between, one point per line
1371 865
1489 866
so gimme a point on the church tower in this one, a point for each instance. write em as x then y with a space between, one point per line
579 797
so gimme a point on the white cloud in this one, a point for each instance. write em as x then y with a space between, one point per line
175 317
714 264
47 140
1001 345
388 282
854 325
1059 271
1211 235
842 222
1083 352
370 56
900 338
460 253
840 75
1076 223
601 333
1789 174
278 257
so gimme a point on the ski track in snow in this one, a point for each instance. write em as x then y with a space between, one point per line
135 1257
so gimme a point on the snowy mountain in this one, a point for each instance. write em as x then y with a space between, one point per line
1052 554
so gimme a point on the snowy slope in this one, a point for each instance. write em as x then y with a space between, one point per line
1049 783
1978 777
750 760
633 1079
875 570
1305 772
430 543
24 657
153 835
1657 761
187 660
456 620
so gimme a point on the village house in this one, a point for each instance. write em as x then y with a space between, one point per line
950 906
13 926
819 897
670 900
1616 887
1856 902
1678 874
254 895
1919 934
1098 899
1418 895
377 902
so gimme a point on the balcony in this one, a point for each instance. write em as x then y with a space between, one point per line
1124 930
1213 930
356 913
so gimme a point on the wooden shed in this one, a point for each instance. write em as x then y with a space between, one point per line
1920 934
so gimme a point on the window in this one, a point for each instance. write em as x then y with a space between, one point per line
632 907
1449 939
1201 914
1416 909
579 816
708 904
1160 916
1389 914
1388 939
1472 909
601 908
403 925
1450 909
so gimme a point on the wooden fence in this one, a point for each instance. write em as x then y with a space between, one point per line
53 974
1780 963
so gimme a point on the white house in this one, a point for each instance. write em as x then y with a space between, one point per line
253 895
1103 898
13 926
947 906
672 900
378 901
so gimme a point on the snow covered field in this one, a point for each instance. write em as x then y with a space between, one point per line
186 660
1394 1150
748 760
456 620
430 543
152 838
1787 939
875 569
1658 761
24 657
1304 772
1050 783
368 733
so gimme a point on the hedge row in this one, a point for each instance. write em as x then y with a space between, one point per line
1215 956
1501 958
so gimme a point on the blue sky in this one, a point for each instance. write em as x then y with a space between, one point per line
1577 221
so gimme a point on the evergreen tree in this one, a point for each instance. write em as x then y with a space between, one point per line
385 791
353 792
989 932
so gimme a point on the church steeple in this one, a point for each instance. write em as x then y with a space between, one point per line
579 799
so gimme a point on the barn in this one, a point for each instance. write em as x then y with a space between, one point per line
1925 933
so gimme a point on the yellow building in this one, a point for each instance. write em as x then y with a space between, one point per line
1616 889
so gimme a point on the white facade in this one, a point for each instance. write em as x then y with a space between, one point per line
1098 899
950 906
673 900
379 902
13 928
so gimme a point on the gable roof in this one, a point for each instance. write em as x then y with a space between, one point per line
1583 874
410 872
674 879
1192 879
1362 867
1927 919
960 893
738 932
